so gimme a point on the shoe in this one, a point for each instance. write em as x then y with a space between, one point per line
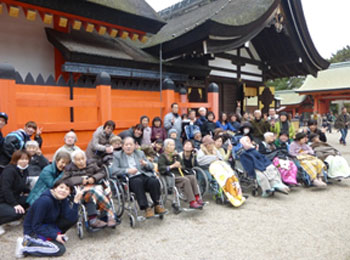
2 230
111 223
149 213
14 223
200 202
97 223
267 193
159 210
319 184
19 248
195 205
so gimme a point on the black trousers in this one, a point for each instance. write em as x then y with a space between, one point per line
141 184
8 213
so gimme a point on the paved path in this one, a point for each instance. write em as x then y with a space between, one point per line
307 224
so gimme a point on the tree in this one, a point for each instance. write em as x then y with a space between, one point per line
286 83
341 55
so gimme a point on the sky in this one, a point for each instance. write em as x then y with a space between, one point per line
328 22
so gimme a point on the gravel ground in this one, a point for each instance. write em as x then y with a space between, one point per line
307 224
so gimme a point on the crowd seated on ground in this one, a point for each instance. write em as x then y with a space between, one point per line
270 150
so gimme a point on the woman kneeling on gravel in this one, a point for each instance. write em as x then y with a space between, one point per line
46 222
260 167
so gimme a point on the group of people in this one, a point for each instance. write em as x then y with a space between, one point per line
271 151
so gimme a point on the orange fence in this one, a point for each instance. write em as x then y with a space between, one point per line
49 106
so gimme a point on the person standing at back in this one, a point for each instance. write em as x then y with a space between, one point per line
342 123
172 120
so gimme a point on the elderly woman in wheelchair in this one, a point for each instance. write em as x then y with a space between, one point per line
96 191
133 164
171 165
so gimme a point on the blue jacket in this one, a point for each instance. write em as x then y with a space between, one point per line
14 141
47 179
225 127
252 160
44 213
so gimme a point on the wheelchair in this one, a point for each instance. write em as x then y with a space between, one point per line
177 194
121 193
83 221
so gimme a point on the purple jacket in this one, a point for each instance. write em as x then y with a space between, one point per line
158 133
295 148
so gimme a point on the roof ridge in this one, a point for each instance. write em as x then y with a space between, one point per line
182 7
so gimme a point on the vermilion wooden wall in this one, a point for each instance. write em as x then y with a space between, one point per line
49 107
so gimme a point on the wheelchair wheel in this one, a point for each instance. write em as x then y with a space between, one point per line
163 191
80 230
118 196
202 180
132 221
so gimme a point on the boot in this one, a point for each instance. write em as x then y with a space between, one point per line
158 209
149 213
195 205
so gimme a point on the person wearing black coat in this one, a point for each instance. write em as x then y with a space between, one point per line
14 189
314 130
135 132
208 127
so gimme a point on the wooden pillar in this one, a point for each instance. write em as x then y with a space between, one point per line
8 96
293 113
213 98
316 104
104 97
168 95
183 100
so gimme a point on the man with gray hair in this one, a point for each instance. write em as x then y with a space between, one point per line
202 117
134 164
69 144
260 126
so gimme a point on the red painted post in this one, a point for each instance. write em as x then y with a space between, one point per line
213 98
168 95
184 101
104 97
8 96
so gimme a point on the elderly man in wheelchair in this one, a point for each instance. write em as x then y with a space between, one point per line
133 164
97 192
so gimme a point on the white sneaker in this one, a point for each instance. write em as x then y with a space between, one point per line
14 223
19 248
2 230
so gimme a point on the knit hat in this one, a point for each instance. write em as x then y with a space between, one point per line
299 136
172 130
284 114
4 116
196 131
207 140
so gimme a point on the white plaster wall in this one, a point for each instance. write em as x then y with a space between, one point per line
222 63
24 45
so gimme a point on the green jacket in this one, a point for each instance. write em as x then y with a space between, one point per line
47 178
260 128
277 129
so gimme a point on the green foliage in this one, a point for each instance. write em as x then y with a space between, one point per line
286 83
341 55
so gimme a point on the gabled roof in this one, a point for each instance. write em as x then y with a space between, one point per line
289 97
136 14
337 77
91 48
219 18
218 26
